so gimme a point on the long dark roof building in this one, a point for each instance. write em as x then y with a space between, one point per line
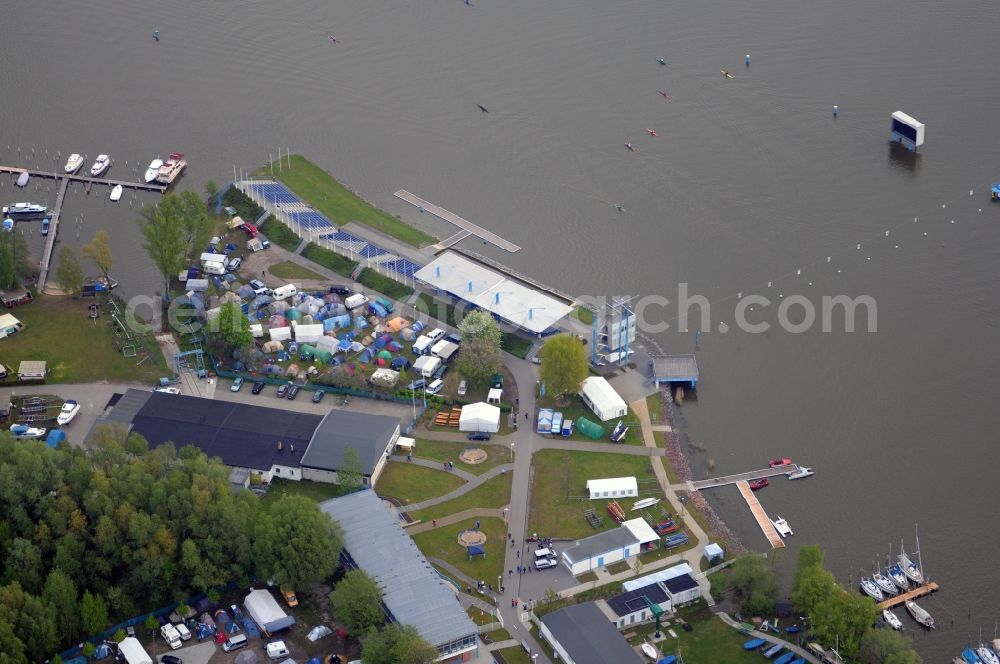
586 635
369 435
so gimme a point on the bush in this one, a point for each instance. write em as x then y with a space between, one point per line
384 284
244 206
329 259
279 234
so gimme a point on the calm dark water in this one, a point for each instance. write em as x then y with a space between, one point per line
749 181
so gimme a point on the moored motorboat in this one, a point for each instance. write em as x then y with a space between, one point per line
101 165
171 168
800 473
895 573
970 656
918 614
869 588
779 461
996 646
153 171
73 164
69 410
116 192
782 527
757 485
891 619
22 179
885 584
25 210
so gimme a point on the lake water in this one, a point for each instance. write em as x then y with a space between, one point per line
749 181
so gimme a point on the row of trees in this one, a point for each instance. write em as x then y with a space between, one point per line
89 538
172 229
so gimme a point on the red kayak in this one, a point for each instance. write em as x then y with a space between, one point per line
780 462
759 484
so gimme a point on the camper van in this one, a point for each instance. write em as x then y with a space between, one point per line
213 267
435 334
421 345
285 292
235 642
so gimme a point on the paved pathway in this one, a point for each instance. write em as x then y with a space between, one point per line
607 448
464 515
801 652
471 483
436 465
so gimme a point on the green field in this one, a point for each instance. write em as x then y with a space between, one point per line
331 260
515 345
279 234
290 270
442 450
492 494
559 489
443 543
58 329
318 188
584 315
411 484
317 491
709 642
384 284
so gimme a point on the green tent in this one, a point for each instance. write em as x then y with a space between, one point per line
311 352
590 429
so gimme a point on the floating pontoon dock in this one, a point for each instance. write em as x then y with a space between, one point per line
467 227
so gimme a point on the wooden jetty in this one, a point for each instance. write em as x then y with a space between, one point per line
758 513
86 179
902 598
743 477
456 220
50 241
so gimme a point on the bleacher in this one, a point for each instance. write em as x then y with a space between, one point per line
313 220
371 251
273 192
402 266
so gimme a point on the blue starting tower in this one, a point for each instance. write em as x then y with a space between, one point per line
907 130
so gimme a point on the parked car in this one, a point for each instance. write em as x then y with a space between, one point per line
257 284
454 338
417 384
435 387
283 390
318 396
289 596
337 289
237 384
293 391
257 388
479 435
234 264
168 390
170 659
463 386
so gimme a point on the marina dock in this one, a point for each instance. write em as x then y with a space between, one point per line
925 589
743 477
50 240
456 220
758 513
86 179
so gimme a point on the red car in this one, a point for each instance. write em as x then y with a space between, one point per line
759 484
250 230
780 462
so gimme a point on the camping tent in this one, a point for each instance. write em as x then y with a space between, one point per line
475 550
544 420
266 612
479 417
598 394
281 333
385 377
590 429
308 333
133 652
396 324
273 346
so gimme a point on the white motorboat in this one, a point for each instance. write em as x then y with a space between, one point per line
918 614
101 165
69 410
870 589
153 171
116 192
885 584
171 168
25 210
782 527
22 431
22 179
74 163
892 620
800 473
996 645
650 651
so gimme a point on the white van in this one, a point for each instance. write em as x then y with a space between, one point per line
235 642
435 334
277 650
355 301
285 292
545 563
213 267
421 345
435 386
543 554
184 632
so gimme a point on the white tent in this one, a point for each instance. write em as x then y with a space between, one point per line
406 443
266 611
257 330
281 333
384 377
329 344
612 487
133 652
308 334
479 417
598 394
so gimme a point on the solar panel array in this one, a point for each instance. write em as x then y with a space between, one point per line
273 192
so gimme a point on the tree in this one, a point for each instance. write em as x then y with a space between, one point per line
93 613
60 593
753 584
296 543
151 623
479 324
163 228
564 364
357 601
99 251
195 220
478 359
884 646
69 274
14 263
350 473
234 326
211 190
397 644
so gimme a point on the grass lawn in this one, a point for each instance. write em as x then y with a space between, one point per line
329 259
584 315
481 617
441 450
494 493
515 345
318 188
317 491
618 567
578 409
437 309
587 577
279 234
515 655
559 474
710 641
290 270
498 635
384 284
442 543
58 329
412 484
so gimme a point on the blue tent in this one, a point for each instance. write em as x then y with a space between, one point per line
476 550
400 364
360 322
102 651
366 355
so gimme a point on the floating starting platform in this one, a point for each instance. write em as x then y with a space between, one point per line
902 598
907 130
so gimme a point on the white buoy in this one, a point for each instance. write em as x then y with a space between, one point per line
769 284
887 233
869 258
827 259
943 206
859 246
952 221
925 234
897 246
739 295
799 271
838 271
970 192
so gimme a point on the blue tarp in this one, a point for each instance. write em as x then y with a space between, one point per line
475 550
103 650
55 437
251 628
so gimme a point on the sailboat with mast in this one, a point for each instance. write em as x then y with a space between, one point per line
910 568
885 584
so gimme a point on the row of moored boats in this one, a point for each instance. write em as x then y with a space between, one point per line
984 654
163 172
901 577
